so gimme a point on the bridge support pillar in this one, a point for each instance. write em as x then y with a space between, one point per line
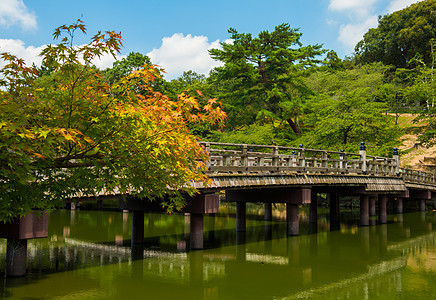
137 226
241 208
421 204
364 210
382 218
313 207
16 256
17 233
198 206
420 196
292 219
372 199
196 238
334 211
400 209
268 211
71 205
390 206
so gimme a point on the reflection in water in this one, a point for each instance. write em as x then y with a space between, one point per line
89 255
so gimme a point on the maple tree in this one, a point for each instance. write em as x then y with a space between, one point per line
72 133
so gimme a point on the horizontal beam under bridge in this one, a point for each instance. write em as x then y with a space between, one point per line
281 195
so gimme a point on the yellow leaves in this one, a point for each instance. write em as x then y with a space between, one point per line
27 134
75 137
44 133
69 137
88 140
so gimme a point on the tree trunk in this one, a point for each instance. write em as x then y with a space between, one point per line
294 126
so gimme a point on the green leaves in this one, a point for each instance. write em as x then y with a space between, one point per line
344 122
400 36
261 72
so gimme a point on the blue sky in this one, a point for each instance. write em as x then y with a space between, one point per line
177 34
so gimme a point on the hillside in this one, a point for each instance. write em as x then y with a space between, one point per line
413 154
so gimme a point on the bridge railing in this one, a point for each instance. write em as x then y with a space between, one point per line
417 176
381 165
226 157
249 158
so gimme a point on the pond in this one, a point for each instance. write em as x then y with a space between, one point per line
88 256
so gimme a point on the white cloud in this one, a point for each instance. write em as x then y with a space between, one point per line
339 5
400 4
14 12
331 22
30 54
180 53
351 34
106 61
361 17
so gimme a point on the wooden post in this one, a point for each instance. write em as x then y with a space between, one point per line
382 219
292 219
268 211
334 211
313 207
240 216
137 226
16 256
396 157
275 159
17 233
207 149
244 156
364 210
372 211
400 209
421 204
362 153
301 158
343 160
293 159
196 231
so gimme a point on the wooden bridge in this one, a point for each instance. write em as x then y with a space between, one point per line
294 176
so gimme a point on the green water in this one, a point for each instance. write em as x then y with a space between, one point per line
88 256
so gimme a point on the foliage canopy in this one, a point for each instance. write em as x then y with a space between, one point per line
263 76
400 36
72 133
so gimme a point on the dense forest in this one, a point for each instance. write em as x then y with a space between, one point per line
277 91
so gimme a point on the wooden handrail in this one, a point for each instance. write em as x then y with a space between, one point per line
252 158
